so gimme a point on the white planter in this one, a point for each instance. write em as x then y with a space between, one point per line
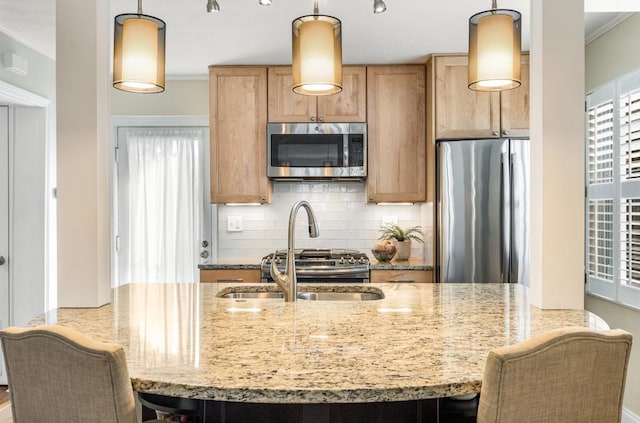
403 250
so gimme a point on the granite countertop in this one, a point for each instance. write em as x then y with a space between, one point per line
232 264
411 264
421 341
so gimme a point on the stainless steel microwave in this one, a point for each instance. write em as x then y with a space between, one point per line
317 150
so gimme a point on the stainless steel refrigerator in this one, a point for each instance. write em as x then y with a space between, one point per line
482 206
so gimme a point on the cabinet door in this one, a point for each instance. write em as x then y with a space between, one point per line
459 111
284 104
350 105
396 134
515 106
238 121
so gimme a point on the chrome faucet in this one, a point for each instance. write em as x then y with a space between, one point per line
289 282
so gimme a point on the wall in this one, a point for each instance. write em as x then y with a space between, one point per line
41 76
344 219
608 57
180 98
34 178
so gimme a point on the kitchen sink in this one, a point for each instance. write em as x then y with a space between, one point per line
249 294
306 292
340 296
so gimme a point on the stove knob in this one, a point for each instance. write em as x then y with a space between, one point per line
363 260
278 261
341 261
352 261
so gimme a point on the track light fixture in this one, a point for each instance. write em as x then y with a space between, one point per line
379 6
213 6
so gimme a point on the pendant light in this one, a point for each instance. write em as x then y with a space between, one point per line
494 49
317 54
138 52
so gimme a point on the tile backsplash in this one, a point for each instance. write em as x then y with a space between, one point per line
344 218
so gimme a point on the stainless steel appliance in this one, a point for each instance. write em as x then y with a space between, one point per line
321 265
317 151
483 211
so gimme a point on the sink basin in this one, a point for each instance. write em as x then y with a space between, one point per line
305 292
340 296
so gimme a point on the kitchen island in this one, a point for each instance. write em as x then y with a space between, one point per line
421 341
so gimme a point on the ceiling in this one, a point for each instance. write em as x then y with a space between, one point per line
247 33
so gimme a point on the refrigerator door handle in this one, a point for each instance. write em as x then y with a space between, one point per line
505 216
513 263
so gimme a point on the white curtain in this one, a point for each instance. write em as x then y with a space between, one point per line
165 203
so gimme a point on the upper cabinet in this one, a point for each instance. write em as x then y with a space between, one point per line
238 121
396 134
347 106
464 113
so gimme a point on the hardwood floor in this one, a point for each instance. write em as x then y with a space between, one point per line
4 396
5 410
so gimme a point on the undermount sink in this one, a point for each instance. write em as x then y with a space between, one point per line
340 296
307 292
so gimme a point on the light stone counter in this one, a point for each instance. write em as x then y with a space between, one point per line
421 341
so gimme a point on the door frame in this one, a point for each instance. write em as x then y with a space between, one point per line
13 97
119 121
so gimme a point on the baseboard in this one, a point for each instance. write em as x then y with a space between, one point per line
629 417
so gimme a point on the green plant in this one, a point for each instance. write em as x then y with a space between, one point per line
393 231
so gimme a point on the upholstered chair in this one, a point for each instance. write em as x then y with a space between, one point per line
565 375
58 375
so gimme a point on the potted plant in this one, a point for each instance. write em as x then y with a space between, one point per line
402 238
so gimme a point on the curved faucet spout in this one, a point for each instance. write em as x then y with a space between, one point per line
288 282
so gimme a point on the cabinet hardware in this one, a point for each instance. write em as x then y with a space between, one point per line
313 118
495 133
506 132
321 119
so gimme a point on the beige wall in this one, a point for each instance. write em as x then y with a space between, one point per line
180 98
610 56
613 54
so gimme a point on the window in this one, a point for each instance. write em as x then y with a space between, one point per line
613 191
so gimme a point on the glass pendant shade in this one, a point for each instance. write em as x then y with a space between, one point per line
317 55
138 53
494 50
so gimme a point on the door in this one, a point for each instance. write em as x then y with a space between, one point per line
473 221
163 212
520 191
4 227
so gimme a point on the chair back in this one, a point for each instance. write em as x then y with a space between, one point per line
565 375
58 375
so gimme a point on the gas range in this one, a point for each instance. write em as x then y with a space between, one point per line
321 265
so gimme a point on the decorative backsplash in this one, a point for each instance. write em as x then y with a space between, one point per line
344 218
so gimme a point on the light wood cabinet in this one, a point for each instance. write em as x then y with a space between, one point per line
230 275
418 276
464 113
347 106
238 121
396 134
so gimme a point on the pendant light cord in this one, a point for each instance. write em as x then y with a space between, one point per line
316 9
140 7
494 4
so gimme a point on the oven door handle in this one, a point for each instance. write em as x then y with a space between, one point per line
331 272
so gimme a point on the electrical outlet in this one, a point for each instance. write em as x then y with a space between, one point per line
389 220
234 224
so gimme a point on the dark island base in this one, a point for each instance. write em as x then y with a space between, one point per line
202 411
